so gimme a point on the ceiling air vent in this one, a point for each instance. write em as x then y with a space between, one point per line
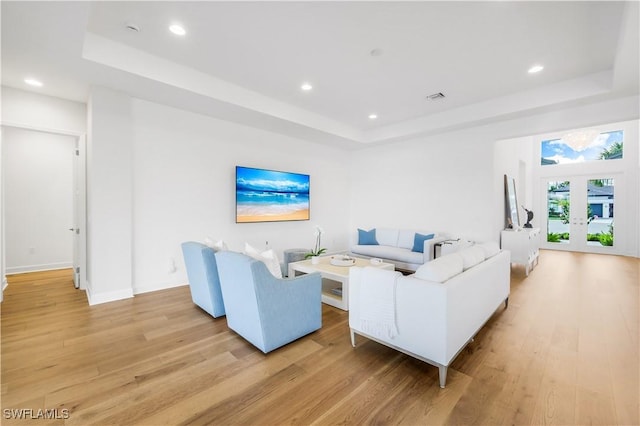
435 96
132 27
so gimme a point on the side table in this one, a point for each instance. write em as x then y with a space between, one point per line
449 246
293 255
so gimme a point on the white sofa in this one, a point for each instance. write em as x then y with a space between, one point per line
395 246
432 314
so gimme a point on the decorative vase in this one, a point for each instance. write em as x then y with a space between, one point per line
315 260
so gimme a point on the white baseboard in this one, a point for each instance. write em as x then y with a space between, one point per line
86 292
147 288
107 296
37 268
5 284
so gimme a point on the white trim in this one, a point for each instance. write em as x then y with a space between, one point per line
41 129
86 292
38 268
2 239
108 296
139 289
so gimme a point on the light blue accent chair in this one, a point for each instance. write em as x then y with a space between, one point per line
204 282
267 311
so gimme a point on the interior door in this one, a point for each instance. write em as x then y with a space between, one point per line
79 213
581 213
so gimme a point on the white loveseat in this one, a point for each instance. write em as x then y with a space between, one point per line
432 314
396 246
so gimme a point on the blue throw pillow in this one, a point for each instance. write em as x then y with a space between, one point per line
367 238
418 242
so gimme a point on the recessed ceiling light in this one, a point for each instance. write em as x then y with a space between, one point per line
373 116
536 68
306 87
177 29
33 82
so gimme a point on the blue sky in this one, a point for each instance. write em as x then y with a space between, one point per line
270 180
559 151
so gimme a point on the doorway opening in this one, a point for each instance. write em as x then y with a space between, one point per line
583 189
44 201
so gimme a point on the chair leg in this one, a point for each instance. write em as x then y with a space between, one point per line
506 303
353 338
442 372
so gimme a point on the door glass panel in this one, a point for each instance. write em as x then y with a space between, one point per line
600 202
559 211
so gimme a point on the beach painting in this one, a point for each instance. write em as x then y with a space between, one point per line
271 196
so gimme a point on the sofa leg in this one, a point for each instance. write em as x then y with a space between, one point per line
506 303
442 372
353 338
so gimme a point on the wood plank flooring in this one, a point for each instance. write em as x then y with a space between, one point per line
564 352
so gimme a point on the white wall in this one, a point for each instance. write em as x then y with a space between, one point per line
38 201
454 182
511 153
34 111
441 183
181 187
515 158
109 196
625 171
158 176
184 189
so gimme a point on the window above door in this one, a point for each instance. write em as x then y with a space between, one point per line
582 146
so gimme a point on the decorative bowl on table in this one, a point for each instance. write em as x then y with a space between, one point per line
342 260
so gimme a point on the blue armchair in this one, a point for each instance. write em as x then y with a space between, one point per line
204 282
268 312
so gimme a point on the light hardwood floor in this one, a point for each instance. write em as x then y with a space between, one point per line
564 352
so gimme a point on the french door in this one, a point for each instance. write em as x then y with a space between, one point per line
581 213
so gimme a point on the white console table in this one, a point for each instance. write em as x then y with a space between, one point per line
524 246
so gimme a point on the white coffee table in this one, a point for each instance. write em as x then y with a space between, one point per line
334 278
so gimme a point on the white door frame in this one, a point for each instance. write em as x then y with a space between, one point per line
80 213
3 277
624 170
80 207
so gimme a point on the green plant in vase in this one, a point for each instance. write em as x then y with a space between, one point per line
317 250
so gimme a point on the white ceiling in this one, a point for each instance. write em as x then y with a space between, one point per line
245 61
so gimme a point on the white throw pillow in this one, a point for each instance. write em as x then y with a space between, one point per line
490 248
268 257
216 245
441 269
471 256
